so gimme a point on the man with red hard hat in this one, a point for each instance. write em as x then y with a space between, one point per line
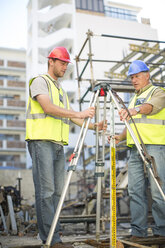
47 131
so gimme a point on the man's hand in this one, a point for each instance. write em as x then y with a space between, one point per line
102 125
90 112
116 137
145 109
124 114
119 137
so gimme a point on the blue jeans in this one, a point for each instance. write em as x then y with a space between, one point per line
137 187
48 175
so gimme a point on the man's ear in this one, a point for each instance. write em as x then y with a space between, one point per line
148 75
50 61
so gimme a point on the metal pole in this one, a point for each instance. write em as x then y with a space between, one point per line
119 61
98 178
82 48
90 58
127 38
100 157
103 135
79 91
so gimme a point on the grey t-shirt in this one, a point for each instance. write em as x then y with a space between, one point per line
38 87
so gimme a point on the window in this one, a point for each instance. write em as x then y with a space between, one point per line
119 13
9 158
7 117
8 77
9 137
6 97
91 5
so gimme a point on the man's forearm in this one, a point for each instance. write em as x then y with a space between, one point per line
123 134
54 110
79 122
145 109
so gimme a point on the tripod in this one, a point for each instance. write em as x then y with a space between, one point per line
99 90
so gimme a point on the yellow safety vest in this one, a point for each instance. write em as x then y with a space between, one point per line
151 127
41 126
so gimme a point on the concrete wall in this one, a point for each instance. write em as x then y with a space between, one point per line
9 178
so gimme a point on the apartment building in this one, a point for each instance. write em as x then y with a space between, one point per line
12 108
66 23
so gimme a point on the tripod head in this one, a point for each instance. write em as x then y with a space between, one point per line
103 87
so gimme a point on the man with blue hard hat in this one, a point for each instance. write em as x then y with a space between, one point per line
147 108
136 67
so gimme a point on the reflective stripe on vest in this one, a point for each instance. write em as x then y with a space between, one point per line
148 121
42 126
150 127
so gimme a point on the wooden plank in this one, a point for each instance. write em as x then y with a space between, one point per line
133 244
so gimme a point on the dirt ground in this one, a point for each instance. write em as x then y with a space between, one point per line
16 242
75 233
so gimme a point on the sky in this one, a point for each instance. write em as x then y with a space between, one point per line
13 23
13 19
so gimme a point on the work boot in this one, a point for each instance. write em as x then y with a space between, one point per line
62 245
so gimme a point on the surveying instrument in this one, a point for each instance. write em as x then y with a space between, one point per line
101 89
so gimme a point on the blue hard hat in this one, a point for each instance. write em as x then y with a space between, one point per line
136 67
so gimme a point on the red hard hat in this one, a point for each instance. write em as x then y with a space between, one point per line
60 53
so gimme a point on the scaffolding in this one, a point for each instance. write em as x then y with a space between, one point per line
148 50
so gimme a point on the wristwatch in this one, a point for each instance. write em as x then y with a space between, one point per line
137 109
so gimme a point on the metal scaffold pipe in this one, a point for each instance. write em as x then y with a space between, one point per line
127 38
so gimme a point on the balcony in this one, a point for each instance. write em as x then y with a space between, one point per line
16 66
12 165
12 145
17 84
13 124
12 85
64 36
55 13
12 104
